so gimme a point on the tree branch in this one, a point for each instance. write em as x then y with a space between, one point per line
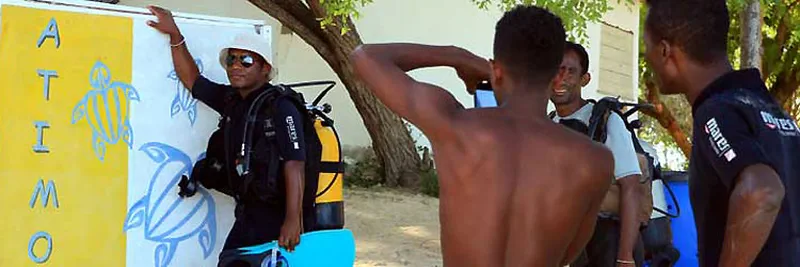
302 13
316 7
287 12
782 34
662 114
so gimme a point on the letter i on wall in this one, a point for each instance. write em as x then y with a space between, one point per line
63 191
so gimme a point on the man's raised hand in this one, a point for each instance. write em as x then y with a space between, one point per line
165 24
473 70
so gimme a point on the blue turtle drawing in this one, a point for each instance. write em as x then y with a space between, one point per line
183 100
107 109
156 209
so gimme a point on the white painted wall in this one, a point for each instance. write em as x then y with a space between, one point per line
422 21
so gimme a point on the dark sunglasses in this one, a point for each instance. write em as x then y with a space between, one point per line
246 60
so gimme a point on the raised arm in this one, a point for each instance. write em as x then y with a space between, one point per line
184 64
754 205
383 69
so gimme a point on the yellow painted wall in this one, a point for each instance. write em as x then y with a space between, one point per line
91 193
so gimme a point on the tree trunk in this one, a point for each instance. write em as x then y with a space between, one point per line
391 140
751 35
662 113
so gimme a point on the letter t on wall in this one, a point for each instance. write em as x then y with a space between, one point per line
46 74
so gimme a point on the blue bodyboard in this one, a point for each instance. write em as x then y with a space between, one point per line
334 248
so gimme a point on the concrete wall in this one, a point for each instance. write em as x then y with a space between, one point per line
421 21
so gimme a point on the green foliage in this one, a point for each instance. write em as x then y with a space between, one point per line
341 10
576 14
429 183
777 58
362 168
781 58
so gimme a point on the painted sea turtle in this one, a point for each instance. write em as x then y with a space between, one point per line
156 210
183 100
107 109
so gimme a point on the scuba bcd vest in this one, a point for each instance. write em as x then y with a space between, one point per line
596 130
254 171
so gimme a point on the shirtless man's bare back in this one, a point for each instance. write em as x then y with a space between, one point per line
511 194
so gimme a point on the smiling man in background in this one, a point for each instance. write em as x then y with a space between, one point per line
616 240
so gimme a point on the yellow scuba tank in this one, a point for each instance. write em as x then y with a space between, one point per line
329 201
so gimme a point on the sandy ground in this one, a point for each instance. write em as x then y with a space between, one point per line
393 228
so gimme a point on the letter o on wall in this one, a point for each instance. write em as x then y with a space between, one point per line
34 238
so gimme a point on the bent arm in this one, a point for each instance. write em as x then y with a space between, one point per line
185 67
754 205
585 232
383 69
629 216
596 187
627 172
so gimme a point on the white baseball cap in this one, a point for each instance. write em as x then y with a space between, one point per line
253 43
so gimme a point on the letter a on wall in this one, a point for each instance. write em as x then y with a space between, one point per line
51 31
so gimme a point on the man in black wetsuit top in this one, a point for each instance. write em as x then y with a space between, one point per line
745 162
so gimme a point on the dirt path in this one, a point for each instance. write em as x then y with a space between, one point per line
393 228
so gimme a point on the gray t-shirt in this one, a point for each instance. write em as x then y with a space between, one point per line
618 140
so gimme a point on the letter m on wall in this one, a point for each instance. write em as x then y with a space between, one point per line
44 192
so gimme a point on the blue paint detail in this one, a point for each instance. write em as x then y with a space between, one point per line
39 147
44 192
183 100
51 31
32 242
47 74
99 102
155 211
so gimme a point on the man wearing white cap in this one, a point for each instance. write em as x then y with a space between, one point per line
247 63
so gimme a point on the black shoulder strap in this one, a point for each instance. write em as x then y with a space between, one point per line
552 114
270 98
598 120
243 168
293 96
227 108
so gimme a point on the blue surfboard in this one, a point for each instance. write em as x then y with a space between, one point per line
332 248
